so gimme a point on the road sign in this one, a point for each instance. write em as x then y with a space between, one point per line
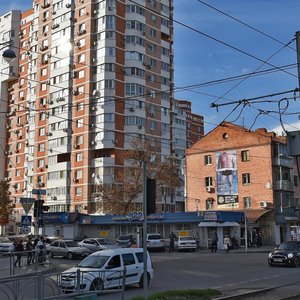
26 221
27 204
38 192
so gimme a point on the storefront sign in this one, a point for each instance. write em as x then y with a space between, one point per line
210 216
227 199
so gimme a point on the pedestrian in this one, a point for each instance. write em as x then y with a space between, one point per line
30 253
196 238
19 248
40 246
214 242
172 237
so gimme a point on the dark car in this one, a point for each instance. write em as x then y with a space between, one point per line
287 254
125 240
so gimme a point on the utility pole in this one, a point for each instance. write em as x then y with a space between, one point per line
297 35
145 254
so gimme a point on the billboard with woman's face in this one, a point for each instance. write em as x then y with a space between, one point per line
227 180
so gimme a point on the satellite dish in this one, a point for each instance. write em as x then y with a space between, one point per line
268 185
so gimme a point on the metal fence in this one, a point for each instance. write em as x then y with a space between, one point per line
43 286
27 260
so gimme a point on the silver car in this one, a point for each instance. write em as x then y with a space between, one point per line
6 246
97 244
67 248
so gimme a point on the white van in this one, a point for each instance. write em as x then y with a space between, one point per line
104 270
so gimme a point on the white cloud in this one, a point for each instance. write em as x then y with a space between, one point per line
288 127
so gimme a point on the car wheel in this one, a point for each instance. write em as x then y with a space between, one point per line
50 254
141 283
96 285
70 255
296 262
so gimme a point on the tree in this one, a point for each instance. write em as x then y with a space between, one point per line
126 193
6 204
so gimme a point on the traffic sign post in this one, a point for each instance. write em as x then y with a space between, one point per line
27 204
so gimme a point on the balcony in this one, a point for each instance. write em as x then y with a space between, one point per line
283 185
283 161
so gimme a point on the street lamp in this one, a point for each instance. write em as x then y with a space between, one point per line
8 55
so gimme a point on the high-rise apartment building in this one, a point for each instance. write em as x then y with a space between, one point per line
90 76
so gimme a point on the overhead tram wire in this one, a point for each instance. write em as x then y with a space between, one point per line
214 39
244 23
245 78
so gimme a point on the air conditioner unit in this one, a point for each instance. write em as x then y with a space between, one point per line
131 109
263 204
75 146
49 134
65 130
75 180
41 184
68 5
151 114
93 143
208 188
140 127
93 108
95 11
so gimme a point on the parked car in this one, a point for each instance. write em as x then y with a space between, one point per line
97 244
6 246
287 254
66 248
185 243
155 241
125 240
104 269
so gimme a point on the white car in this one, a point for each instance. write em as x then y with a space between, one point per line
97 244
104 270
6 246
155 241
185 243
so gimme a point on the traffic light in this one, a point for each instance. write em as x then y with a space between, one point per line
38 208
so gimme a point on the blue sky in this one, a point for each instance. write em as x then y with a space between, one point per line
199 59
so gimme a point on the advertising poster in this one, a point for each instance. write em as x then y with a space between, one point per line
227 180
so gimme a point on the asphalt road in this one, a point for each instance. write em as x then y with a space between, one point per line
230 273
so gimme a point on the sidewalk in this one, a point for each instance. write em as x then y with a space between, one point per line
262 249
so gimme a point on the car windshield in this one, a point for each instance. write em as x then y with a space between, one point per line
154 237
4 240
124 237
93 261
104 242
185 238
288 246
71 244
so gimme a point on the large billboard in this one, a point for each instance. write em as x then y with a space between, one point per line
227 178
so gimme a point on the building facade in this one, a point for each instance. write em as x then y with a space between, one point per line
90 77
235 169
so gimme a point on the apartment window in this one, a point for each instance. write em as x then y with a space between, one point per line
80 106
153 32
41 147
208 181
246 178
245 155
79 157
78 191
78 174
18 159
79 123
209 204
42 131
81 74
40 163
247 202
207 160
82 12
79 139
152 125
81 58
44 72
295 180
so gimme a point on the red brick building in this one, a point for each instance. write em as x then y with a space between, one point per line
233 168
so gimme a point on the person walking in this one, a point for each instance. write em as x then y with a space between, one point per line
214 242
172 237
30 253
19 248
40 246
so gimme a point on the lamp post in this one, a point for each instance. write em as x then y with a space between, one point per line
8 54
